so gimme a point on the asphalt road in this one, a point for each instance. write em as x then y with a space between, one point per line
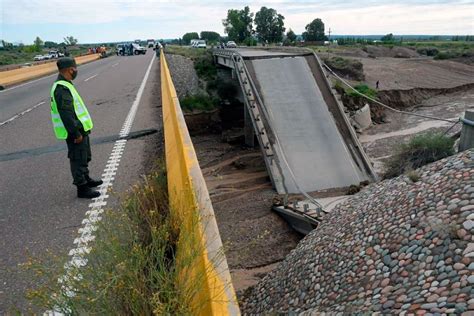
39 210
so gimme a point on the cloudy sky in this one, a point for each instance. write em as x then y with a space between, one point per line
94 21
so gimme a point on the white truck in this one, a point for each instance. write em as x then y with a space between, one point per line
137 49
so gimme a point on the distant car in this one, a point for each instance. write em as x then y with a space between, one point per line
200 44
38 58
137 49
231 44
120 49
150 43
54 54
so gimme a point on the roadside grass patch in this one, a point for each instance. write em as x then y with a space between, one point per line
364 89
419 151
199 102
186 51
131 268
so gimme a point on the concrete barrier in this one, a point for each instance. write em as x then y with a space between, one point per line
15 76
201 263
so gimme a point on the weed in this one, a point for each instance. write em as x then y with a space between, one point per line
199 102
364 89
413 175
419 151
205 67
131 269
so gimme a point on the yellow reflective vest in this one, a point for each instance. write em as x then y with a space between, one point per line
79 108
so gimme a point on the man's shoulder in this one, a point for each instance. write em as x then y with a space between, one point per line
61 90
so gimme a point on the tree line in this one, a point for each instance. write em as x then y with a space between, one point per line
39 44
265 26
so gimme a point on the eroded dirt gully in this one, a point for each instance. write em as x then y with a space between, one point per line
419 85
254 237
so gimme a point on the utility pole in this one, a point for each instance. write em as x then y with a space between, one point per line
329 35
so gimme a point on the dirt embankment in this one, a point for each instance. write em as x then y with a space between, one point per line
403 99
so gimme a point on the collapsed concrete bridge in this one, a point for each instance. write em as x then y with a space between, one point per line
307 141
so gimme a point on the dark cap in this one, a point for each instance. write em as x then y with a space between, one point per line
65 62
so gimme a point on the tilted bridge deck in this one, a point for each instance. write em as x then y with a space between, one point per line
307 141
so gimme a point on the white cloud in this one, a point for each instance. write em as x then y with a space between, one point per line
174 18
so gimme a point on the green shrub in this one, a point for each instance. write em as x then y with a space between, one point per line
250 41
205 67
200 102
419 151
364 89
428 51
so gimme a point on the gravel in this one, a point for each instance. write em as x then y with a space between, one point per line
394 247
185 79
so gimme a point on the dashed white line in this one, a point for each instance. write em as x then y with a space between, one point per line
21 113
114 65
91 77
96 208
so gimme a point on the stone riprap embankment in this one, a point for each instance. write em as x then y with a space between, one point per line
185 79
397 247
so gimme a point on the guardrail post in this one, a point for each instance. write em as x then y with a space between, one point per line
248 129
467 132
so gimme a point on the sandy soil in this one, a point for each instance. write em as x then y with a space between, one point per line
241 192
401 73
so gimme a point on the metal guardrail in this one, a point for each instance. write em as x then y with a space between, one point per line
200 258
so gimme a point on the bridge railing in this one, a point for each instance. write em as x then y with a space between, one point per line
201 263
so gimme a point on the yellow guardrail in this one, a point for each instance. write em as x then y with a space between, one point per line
201 263
15 76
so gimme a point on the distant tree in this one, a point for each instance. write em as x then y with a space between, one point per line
314 31
210 36
291 36
38 43
49 44
238 24
6 45
190 36
269 25
387 38
70 41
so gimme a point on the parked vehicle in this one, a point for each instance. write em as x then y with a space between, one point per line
54 54
150 43
137 49
120 50
200 44
38 58
231 44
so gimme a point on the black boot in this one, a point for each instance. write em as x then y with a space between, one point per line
91 183
85 192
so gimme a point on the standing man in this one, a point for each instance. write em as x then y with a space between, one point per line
72 122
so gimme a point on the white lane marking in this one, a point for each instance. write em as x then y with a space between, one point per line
91 77
96 208
21 113
27 83
115 64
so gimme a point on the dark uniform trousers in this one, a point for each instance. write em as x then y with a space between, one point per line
79 156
